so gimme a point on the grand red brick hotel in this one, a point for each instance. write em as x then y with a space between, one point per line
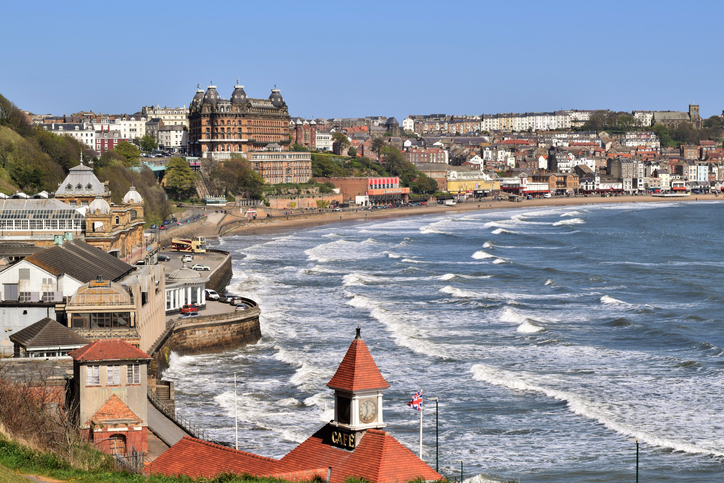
354 444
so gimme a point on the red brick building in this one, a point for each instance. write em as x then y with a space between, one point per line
425 155
109 388
219 127
354 444
305 133
107 140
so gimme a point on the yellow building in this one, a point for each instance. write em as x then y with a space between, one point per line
468 180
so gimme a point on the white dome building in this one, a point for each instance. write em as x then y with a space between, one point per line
133 197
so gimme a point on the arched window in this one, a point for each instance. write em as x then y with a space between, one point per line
118 220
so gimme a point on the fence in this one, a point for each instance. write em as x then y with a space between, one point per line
132 462
180 421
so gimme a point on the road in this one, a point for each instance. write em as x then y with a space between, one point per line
163 427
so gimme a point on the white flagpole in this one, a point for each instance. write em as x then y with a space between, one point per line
421 409
236 416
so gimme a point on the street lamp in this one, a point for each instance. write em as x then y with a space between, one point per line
437 434
462 477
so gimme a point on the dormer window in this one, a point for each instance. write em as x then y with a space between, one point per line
79 187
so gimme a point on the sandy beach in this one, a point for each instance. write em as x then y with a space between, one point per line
311 219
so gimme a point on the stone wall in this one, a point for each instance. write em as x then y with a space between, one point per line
304 201
210 334
221 276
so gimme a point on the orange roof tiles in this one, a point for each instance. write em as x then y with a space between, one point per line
108 350
378 457
195 458
114 409
358 371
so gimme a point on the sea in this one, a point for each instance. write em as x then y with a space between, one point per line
557 339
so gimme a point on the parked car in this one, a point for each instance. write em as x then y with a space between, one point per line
198 266
189 308
187 258
234 299
153 227
164 258
163 227
211 294
241 306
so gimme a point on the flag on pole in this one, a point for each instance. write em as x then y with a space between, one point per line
416 401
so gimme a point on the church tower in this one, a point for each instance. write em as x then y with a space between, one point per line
358 386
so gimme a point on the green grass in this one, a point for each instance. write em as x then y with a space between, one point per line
7 476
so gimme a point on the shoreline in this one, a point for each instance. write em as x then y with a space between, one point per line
307 220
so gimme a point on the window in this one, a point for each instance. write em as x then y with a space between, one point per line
24 273
134 374
92 376
24 297
114 375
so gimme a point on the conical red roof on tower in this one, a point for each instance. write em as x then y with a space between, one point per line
358 371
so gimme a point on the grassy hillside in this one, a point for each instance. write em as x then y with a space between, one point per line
7 476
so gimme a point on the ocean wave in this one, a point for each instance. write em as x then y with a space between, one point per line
488 244
581 406
447 276
405 332
572 221
358 279
502 230
572 213
528 328
498 261
456 292
549 282
340 250
608 300
481 255
391 255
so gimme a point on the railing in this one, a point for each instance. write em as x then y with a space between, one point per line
132 462
180 421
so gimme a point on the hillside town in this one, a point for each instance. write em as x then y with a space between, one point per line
468 156
102 295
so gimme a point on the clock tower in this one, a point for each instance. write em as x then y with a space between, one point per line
358 386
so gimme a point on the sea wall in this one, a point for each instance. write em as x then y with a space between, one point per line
220 277
208 334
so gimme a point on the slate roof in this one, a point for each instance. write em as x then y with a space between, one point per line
114 410
81 180
108 350
46 333
81 261
358 371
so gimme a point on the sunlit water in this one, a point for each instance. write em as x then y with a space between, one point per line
552 336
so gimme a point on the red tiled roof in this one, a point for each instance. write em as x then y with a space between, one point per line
378 457
195 458
114 409
358 371
108 350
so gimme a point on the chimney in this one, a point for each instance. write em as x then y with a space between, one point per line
58 240
68 236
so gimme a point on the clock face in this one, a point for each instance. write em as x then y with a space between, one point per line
368 410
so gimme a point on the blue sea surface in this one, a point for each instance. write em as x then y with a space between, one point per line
554 338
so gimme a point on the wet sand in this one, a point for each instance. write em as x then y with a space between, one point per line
284 223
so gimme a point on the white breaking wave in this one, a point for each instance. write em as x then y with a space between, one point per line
606 300
549 282
332 235
572 221
498 261
572 213
480 255
487 244
579 405
447 276
339 250
528 328
358 279
406 333
435 228
511 316
501 230
456 292
392 255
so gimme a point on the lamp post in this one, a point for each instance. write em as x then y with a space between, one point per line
637 458
462 477
437 434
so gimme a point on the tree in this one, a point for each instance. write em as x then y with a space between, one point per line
128 151
352 152
424 184
148 143
108 158
180 179
298 147
377 145
236 176
341 138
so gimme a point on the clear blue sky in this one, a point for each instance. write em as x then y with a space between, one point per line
343 59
